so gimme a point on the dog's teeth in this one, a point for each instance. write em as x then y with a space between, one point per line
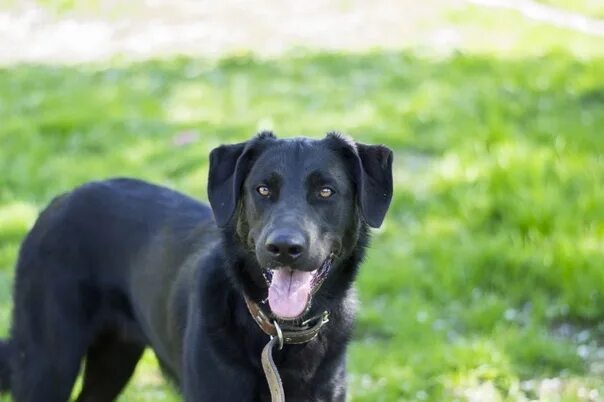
268 275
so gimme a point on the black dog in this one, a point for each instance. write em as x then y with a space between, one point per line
115 266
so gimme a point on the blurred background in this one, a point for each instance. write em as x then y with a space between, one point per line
486 282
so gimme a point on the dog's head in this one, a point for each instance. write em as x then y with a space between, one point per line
297 207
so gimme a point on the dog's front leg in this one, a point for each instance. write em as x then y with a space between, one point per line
206 376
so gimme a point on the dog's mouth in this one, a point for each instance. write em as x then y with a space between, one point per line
290 291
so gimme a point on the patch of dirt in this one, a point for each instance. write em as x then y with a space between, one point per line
140 29
143 29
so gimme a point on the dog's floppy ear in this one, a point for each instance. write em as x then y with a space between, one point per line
374 180
223 187
229 165
372 172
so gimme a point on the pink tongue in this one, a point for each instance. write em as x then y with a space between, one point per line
289 292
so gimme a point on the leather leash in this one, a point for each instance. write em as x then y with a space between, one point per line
290 334
275 385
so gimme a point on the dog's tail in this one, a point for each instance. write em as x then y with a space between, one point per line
5 372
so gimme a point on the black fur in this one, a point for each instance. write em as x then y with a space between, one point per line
119 265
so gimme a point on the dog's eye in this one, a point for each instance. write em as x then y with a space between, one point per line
263 191
325 192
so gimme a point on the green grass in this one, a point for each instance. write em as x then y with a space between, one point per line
487 278
490 261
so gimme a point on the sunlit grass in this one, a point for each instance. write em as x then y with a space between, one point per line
487 276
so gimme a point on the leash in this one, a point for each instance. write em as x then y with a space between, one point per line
290 334
275 385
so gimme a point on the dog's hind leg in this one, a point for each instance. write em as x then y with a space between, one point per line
55 313
47 344
110 363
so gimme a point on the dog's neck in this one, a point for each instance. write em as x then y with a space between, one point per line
288 332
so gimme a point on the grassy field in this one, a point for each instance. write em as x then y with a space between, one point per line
486 282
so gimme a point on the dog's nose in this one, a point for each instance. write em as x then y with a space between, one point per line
285 246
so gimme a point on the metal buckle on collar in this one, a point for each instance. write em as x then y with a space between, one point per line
279 334
324 318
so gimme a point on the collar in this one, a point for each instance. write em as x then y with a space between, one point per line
285 332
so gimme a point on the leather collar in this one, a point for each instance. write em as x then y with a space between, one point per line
290 333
